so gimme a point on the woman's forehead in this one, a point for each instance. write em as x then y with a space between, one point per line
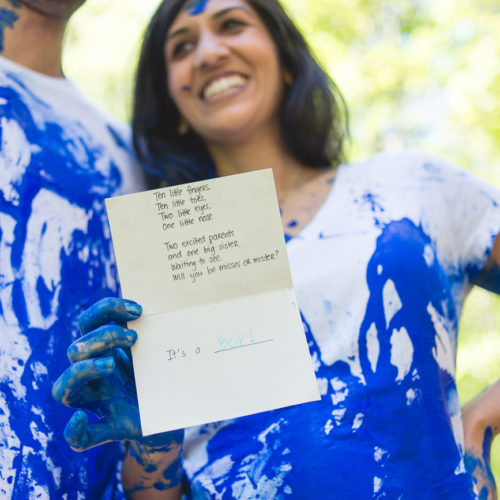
194 7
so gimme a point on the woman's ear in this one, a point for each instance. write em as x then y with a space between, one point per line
183 127
287 77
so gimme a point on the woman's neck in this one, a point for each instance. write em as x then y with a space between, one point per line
259 153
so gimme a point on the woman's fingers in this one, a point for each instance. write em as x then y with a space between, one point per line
67 386
81 436
106 310
123 360
100 341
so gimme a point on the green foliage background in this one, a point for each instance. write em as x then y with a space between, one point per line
415 74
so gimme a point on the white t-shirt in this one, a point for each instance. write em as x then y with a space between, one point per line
59 159
380 274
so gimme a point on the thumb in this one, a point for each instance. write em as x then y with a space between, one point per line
81 436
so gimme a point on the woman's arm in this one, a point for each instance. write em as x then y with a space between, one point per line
489 276
481 418
149 473
100 379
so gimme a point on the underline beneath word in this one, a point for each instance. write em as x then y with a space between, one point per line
246 345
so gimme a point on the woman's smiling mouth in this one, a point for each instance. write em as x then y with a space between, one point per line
222 85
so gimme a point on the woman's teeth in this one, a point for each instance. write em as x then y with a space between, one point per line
222 85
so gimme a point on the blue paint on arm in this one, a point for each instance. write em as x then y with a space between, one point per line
158 476
479 467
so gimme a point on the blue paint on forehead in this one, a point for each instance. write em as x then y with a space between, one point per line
196 7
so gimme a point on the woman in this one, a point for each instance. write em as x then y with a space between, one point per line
382 255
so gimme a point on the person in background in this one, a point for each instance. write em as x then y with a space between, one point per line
382 252
60 157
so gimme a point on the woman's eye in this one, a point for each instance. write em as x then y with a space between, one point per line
232 24
182 48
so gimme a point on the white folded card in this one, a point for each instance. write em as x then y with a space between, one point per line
220 335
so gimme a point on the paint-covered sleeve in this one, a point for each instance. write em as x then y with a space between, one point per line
472 218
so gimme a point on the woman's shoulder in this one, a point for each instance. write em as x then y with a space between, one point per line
406 167
403 159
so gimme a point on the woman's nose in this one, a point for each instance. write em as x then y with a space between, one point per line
210 52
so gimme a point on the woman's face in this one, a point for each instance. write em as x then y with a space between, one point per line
224 73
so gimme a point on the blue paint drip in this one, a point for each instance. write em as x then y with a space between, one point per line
160 486
487 442
483 495
174 473
293 223
7 20
196 7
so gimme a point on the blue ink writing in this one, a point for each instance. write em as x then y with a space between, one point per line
238 341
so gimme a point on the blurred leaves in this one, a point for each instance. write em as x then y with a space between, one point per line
416 73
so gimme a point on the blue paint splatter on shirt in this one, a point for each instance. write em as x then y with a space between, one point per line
387 436
66 169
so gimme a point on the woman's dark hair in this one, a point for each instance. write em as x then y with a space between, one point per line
314 115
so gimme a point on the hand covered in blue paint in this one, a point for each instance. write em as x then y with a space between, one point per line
101 380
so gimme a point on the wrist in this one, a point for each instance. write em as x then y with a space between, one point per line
484 409
160 442
153 468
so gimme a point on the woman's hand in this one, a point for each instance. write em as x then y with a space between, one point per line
481 418
101 380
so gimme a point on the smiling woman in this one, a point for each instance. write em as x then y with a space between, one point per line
226 102
382 252
267 59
